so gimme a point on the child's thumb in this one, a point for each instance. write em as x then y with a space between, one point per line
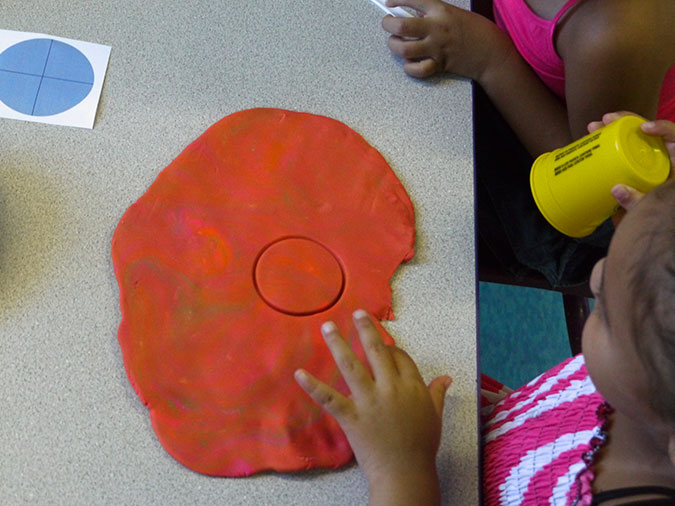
626 196
437 389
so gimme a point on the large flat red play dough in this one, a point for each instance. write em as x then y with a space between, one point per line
267 225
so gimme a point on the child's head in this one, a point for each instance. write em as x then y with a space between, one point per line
629 339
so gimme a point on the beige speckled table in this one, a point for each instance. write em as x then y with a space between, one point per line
72 431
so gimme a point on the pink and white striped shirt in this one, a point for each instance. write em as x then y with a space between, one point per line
539 441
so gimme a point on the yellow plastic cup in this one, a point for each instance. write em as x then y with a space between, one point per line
572 185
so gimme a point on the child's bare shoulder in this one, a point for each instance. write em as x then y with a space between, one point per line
617 28
620 11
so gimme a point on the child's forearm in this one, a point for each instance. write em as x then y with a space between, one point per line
418 487
536 115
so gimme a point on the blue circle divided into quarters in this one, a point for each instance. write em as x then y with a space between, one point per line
42 77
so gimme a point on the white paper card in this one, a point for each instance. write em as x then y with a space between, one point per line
48 79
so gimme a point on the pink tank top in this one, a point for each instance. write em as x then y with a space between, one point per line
533 37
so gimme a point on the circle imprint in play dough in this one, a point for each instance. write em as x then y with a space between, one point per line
298 276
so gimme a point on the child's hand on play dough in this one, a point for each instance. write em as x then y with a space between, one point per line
392 418
443 38
625 195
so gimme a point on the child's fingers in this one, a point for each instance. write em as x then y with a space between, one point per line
437 389
408 49
422 68
626 196
613 116
492 397
594 125
326 397
378 354
609 118
415 28
660 127
353 371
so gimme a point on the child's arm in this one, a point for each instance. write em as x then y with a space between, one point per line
449 39
616 56
612 62
392 419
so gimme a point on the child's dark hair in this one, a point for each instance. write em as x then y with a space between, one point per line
652 283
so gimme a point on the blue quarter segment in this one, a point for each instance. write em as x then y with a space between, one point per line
18 91
43 77
28 57
66 62
56 96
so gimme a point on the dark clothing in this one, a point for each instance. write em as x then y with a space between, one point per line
509 223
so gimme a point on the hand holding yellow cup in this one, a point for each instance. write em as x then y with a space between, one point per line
572 185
